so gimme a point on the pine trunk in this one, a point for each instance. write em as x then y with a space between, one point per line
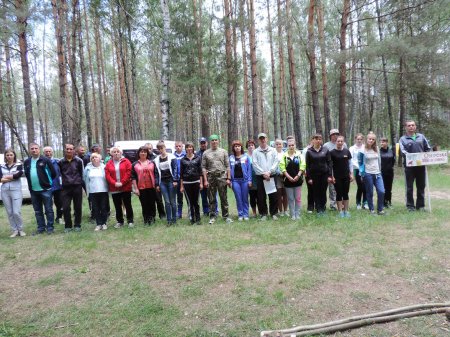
343 68
165 103
254 71
276 126
231 127
247 113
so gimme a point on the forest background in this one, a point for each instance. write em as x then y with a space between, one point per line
98 71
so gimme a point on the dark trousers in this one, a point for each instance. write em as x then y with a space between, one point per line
147 197
205 202
416 173
253 198
160 205
192 192
262 205
69 194
125 198
58 203
310 197
342 186
388 178
179 202
361 189
99 203
319 188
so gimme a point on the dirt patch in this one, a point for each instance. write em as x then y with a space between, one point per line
442 195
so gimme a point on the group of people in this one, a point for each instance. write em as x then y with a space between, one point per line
260 173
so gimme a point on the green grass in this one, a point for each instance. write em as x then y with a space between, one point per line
228 279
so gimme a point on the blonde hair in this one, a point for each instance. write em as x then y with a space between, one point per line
374 145
115 148
96 155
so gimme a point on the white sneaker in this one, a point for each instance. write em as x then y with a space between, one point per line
212 220
287 213
264 218
366 206
229 220
104 227
98 228
130 225
294 218
246 218
309 212
274 217
240 218
358 207
22 233
118 225
281 213
14 234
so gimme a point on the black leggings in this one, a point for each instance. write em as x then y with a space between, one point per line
319 188
342 186
125 198
147 197
192 192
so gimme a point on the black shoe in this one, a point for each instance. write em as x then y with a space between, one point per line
411 209
37 233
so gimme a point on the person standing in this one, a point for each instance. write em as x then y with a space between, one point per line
310 197
179 153
252 191
292 165
118 176
56 185
241 178
167 181
331 145
40 173
11 190
216 177
204 192
369 161
414 142
97 190
81 153
159 203
191 181
319 172
265 162
342 175
387 170
282 196
361 201
144 183
71 168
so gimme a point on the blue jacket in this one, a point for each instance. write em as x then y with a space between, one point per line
410 145
246 165
45 171
178 158
56 184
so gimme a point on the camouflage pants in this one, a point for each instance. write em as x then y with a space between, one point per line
217 184
332 195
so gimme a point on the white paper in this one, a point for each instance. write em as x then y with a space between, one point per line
270 186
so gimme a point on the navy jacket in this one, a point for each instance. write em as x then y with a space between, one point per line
44 168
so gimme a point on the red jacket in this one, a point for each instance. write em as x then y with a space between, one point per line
125 175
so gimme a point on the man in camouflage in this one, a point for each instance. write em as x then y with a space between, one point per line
216 177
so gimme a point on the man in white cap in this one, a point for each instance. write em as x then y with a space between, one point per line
331 145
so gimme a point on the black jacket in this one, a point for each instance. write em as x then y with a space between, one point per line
318 162
71 172
191 170
43 166
387 160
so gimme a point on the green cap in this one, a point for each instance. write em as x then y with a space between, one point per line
214 137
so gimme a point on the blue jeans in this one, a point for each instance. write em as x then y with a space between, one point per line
240 189
43 198
371 180
169 193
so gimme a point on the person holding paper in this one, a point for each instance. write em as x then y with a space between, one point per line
414 142
265 163
319 172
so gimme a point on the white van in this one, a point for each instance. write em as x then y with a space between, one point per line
130 147
25 191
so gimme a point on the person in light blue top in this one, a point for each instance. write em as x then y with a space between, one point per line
241 178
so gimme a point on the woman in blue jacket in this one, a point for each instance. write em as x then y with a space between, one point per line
241 178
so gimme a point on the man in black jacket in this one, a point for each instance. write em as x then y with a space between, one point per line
40 172
71 168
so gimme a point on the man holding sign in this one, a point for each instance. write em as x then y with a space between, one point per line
414 142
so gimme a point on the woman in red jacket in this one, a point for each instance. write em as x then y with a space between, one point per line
118 175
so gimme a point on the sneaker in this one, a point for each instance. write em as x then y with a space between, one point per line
14 234
358 207
342 214
229 220
212 220
77 229
411 209
264 218
372 212
118 225
333 207
309 211
240 218
130 225
381 213
347 214
246 218
104 227
274 217
366 206
294 218
67 230
281 213
22 233
98 228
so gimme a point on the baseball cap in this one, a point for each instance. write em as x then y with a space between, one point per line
262 135
334 131
214 137
202 140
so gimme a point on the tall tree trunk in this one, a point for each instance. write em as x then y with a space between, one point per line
343 68
98 46
166 117
106 120
276 126
22 10
402 101
254 70
311 54
282 95
47 138
2 111
59 8
363 101
247 113
293 78
385 77
38 100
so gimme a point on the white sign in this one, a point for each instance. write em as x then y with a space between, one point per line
426 158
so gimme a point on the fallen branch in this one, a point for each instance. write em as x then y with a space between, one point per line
363 320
